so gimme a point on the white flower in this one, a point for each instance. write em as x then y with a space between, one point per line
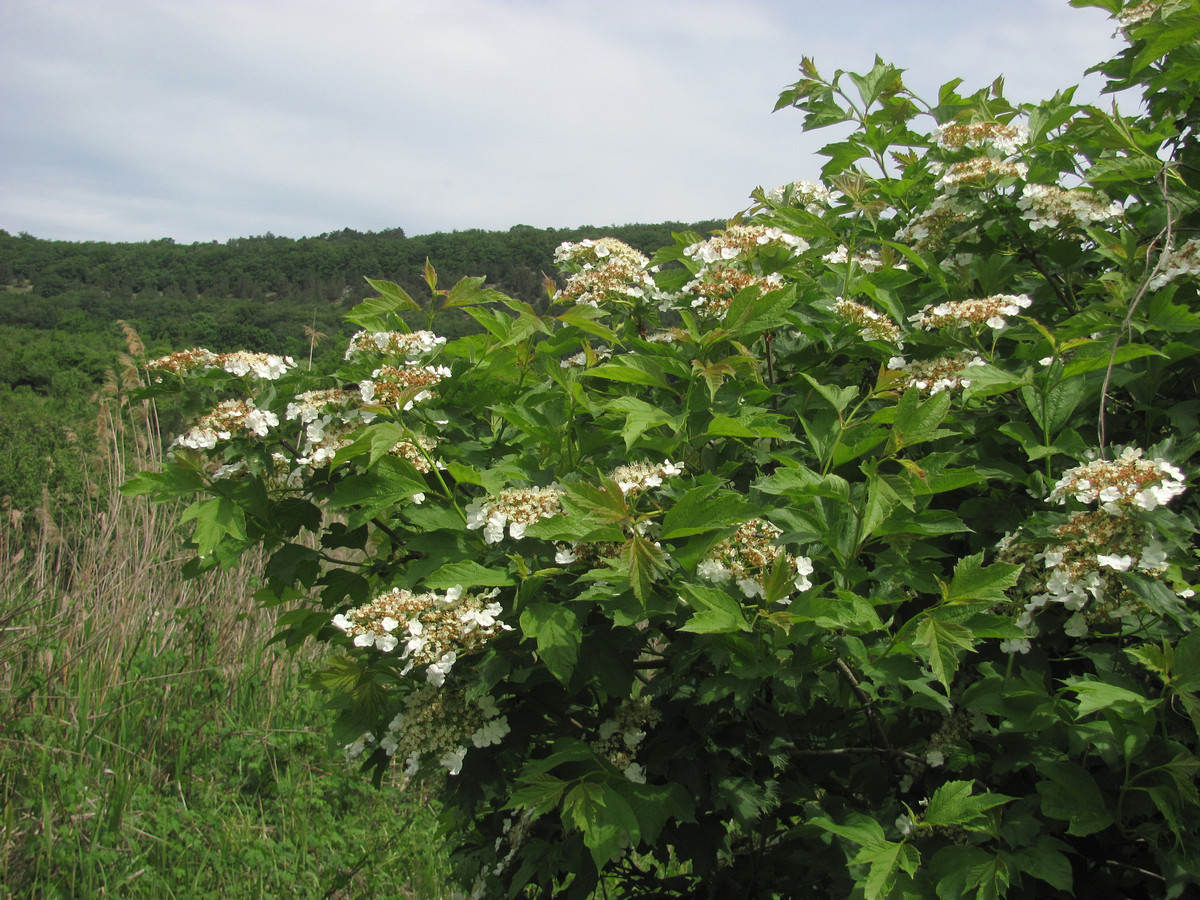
712 570
935 758
635 773
1015 645
437 672
452 760
1113 561
1076 626
491 732
750 588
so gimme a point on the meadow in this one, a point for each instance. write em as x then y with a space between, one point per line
152 742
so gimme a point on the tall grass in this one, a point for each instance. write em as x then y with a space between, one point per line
151 743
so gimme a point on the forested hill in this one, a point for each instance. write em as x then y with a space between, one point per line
108 281
60 302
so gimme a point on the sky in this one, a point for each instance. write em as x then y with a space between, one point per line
134 120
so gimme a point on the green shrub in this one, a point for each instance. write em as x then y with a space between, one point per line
840 553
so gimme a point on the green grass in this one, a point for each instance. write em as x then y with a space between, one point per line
153 746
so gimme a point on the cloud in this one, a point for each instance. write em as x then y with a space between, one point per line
135 119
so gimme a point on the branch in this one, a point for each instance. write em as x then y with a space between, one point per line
876 730
1166 237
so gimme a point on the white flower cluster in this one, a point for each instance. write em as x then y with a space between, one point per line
605 271
712 291
266 366
433 629
1094 546
929 229
1127 481
619 737
1135 15
437 724
872 325
184 361
332 415
747 558
815 198
639 476
516 508
1007 138
1184 262
740 242
932 376
406 344
584 358
868 261
978 171
401 386
227 417
1050 206
987 310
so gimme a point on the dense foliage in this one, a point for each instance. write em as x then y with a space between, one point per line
64 306
845 552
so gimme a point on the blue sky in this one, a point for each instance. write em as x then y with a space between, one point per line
128 120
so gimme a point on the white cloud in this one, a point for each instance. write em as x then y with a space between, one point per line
135 119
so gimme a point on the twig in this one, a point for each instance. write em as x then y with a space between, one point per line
876 730
1166 236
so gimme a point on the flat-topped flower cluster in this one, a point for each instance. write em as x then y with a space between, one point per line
267 366
618 738
223 421
932 376
991 311
406 344
1083 559
1121 483
440 725
604 271
431 629
747 557
872 325
514 508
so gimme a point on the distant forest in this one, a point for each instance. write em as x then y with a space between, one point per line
60 302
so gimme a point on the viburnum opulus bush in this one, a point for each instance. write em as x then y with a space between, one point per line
848 551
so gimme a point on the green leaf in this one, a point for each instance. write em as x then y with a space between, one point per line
644 562
975 581
215 518
538 794
630 370
1096 356
858 828
1098 695
887 859
1070 793
838 398
952 804
640 417
717 612
556 628
368 494
917 419
468 574
705 508
1053 411
655 805
943 640
371 313
375 440
174 481
605 818
1046 862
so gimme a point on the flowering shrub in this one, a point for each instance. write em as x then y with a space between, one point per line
693 587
